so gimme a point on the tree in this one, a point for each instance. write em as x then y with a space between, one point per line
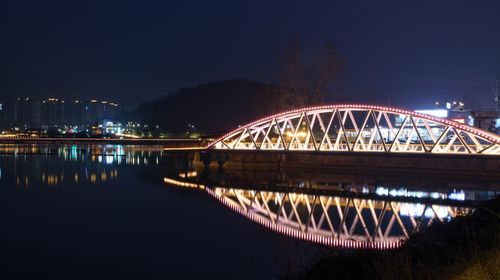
496 92
274 99
308 87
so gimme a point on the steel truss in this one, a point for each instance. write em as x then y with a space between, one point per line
333 220
362 128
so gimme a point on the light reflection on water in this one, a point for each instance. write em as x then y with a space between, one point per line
58 164
131 180
350 211
102 212
335 214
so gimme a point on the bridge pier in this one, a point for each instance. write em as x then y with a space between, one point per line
179 161
209 156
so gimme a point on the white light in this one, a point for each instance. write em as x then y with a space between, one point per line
109 159
415 210
440 113
457 196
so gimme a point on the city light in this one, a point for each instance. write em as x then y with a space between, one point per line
440 113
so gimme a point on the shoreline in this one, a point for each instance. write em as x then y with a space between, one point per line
171 142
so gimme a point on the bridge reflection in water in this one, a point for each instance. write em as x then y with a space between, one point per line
357 218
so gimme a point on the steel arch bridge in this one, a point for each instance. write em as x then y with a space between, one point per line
359 128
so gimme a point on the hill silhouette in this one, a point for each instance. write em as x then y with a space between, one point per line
215 107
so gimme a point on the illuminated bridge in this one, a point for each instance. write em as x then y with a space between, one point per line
359 128
339 219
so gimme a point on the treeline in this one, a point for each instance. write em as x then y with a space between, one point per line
210 108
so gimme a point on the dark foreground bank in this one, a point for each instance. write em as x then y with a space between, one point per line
468 247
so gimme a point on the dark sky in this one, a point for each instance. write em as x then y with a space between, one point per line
132 51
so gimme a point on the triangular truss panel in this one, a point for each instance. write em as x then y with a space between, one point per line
321 126
244 141
258 135
371 138
229 141
335 138
452 142
301 136
352 124
288 128
359 128
273 139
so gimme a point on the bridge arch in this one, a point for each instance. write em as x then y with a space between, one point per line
359 128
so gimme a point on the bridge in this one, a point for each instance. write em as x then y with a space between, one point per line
359 128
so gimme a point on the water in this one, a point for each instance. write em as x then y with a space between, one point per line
112 211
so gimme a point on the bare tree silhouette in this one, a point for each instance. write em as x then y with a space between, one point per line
496 92
308 87
300 83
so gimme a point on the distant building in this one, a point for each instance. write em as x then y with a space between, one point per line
109 110
98 111
487 120
92 114
458 112
3 116
54 112
27 112
78 113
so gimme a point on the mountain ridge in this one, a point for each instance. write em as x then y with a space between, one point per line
237 101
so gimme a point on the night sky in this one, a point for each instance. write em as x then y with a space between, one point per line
134 51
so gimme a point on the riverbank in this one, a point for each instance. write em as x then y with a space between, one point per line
467 247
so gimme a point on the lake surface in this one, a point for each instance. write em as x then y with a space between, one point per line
113 211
